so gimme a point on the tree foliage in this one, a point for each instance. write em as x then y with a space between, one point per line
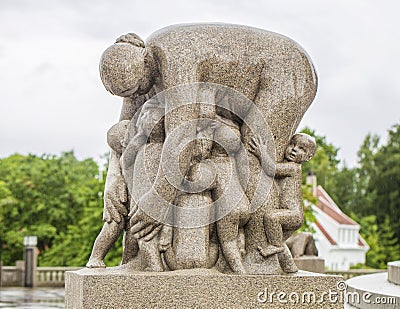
384 246
324 163
309 216
49 196
369 192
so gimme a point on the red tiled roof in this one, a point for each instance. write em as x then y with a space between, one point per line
328 206
361 242
326 234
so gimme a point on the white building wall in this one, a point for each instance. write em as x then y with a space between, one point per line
330 225
343 259
322 244
347 252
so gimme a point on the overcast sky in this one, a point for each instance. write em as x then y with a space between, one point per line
52 99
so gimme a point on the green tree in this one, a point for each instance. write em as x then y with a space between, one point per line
79 237
309 216
338 181
46 195
6 201
378 176
386 183
324 163
344 186
384 246
365 195
376 197
370 232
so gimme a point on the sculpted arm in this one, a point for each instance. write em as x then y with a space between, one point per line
115 193
278 170
287 169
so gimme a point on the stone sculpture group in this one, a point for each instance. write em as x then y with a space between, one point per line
205 165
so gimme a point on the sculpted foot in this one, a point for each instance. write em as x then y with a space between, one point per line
95 263
165 240
155 268
269 250
289 268
239 271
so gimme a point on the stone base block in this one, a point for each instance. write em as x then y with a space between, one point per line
394 272
199 288
310 263
372 291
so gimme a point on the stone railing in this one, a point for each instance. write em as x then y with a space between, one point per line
347 274
12 276
52 276
45 276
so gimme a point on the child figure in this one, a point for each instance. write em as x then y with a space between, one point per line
147 126
146 146
280 223
112 228
218 141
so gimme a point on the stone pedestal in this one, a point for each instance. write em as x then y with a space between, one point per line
394 272
30 260
20 274
372 291
310 263
199 288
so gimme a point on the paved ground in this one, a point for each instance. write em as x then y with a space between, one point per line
26 298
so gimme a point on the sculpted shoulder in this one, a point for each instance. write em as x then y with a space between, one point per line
185 46
221 36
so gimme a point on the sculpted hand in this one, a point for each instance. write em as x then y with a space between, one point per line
130 38
115 195
256 144
259 149
141 224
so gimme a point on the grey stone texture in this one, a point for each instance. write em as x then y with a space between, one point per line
310 263
275 82
205 179
301 244
198 288
373 291
394 272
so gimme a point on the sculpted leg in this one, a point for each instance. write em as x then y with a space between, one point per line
285 258
275 223
233 207
242 242
227 229
104 241
190 248
151 254
131 247
273 229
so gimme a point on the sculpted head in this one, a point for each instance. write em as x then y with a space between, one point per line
125 69
302 148
116 135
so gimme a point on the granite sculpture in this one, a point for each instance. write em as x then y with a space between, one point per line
205 164
302 244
